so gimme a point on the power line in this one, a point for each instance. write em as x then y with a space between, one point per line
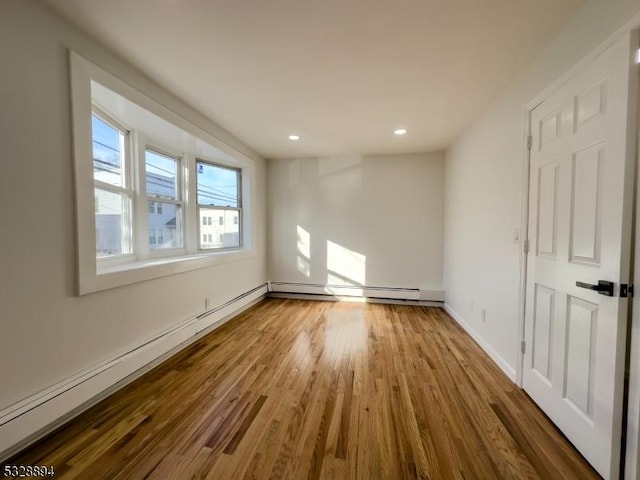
160 168
107 146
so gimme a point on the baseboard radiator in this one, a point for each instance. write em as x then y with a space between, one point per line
27 421
391 294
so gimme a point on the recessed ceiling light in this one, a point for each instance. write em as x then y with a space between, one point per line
294 137
400 131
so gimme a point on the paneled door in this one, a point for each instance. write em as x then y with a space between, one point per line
581 169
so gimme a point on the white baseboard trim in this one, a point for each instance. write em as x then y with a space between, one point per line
508 370
25 422
390 293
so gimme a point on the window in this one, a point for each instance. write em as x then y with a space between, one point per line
162 178
148 193
112 187
219 195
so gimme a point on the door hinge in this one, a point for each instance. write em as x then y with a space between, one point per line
526 246
523 345
626 290
529 142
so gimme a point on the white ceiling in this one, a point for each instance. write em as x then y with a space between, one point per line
342 74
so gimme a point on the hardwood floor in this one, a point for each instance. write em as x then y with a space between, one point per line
297 389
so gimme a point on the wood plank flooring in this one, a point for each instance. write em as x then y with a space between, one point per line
297 389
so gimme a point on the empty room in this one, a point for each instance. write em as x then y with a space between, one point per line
319 239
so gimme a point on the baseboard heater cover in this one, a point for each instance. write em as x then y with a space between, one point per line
23 423
393 293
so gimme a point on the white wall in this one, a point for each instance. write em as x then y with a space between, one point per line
386 210
47 334
483 187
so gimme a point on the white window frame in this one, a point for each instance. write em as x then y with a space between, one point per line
96 275
144 144
212 220
126 189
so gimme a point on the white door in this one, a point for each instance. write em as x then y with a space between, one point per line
580 231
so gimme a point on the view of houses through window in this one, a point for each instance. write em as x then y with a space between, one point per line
112 188
164 197
219 206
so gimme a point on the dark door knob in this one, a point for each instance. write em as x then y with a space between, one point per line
603 287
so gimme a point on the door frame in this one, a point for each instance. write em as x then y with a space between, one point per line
632 451
631 455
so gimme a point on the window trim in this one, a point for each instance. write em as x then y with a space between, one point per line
93 276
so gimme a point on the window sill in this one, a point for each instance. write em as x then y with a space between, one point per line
117 275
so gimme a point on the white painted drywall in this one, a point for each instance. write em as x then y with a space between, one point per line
46 333
483 186
372 220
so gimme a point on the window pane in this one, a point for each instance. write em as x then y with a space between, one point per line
165 225
108 152
217 185
162 175
113 223
225 234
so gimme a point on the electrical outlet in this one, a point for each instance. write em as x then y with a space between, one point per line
483 315
207 303
516 235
